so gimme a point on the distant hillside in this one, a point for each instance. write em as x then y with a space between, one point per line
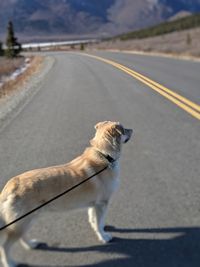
188 22
181 38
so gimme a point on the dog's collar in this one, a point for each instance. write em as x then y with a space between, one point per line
108 157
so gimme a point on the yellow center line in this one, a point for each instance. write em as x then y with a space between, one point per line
181 98
187 105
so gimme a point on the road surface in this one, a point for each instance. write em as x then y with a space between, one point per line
155 216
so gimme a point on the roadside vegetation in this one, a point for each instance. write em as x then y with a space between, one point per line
10 58
35 63
8 66
12 47
180 38
11 61
1 49
185 23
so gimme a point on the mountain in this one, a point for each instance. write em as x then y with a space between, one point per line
83 17
179 15
54 16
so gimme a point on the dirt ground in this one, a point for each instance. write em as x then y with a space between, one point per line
8 66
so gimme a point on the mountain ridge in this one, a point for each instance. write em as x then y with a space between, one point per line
84 17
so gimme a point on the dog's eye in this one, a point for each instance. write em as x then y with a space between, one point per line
120 129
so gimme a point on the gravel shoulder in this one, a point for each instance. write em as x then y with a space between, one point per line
12 104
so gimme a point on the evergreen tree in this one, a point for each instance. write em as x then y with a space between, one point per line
1 49
13 48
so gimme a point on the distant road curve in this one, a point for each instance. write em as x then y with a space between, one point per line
184 103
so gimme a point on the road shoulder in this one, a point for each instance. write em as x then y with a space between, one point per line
13 103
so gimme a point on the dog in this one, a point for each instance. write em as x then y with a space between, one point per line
24 192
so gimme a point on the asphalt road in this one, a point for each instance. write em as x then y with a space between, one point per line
155 216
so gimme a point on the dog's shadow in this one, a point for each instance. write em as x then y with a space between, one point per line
183 249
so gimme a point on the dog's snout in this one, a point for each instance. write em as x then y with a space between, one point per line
129 133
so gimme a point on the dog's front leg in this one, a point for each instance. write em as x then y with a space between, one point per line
96 216
29 244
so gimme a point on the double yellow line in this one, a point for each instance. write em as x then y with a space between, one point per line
187 105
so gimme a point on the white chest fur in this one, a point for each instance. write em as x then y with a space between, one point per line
111 179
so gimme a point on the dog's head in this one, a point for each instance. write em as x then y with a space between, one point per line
109 137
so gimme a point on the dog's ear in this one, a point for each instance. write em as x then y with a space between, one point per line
99 124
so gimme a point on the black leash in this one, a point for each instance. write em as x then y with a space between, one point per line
51 200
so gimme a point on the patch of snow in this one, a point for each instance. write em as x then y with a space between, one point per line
16 73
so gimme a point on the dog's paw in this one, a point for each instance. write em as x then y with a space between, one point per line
105 238
34 244
31 244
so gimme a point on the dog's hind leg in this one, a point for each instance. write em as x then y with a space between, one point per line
7 239
5 249
96 216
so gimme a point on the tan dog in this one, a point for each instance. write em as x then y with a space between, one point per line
30 189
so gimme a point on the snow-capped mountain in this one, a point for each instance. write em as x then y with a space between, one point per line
100 17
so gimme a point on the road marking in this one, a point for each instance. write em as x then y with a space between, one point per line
184 103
